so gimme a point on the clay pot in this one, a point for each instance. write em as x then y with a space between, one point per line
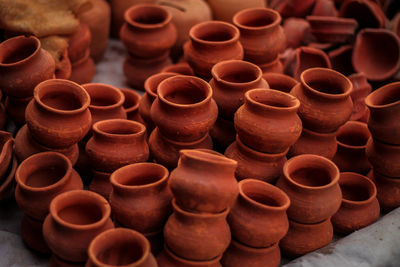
116 143
148 31
110 249
383 104
294 8
261 35
388 190
361 89
204 181
311 182
352 140
180 68
7 181
325 8
305 238
75 218
367 13
254 164
297 32
341 59
274 66
100 183
15 108
280 82
140 198
360 207
64 68
332 29
268 121
184 95
78 43
42 177
131 104
6 152
258 218
231 80
168 259
83 70
376 54
384 158
212 42
223 134
241 255
226 9
32 235
22 57
197 236
325 99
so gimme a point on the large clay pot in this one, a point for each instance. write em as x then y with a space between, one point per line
212 42
384 158
79 43
6 152
131 104
168 259
22 57
204 181
361 89
140 198
58 116
311 182
120 246
388 190
226 9
280 82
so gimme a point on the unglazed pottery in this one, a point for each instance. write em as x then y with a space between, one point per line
100 181
297 31
325 8
83 70
367 13
15 108
327 29
131 104
180 68
341 59
274 66
388 190
384 158
168 259
223 134
6 152
280 82
64 68
78 43
311 182
294 8
361 89
226 9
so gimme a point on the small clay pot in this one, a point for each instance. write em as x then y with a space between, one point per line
184 110
223 134
359 208
361 89
111 248
6 152
280 82
32 235
23 57
64 68
168 259
274 66
58 116
197 236
311 182
341 59
384 158
226 9
239 255
83 70
15 108
325 8
254 164
78 43
367 13
327 29
131 104
352 140
180 68
297 31
75 218
140 198
100 183
388 190
7 181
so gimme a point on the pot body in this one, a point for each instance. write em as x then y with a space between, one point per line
388 191
384 158
168 259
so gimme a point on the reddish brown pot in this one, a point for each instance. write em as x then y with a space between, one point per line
78 43
352 140
140 198
311 182
274 66
75 218
268 121
22 57
325 99
111 247
341 59
6 152
83 70
367 13
254 164
131 104
384 158
305 238
32 235
58 116
184 110
180 68
7 181
388 190
212 42
15 108
239 255
231 80
223 134
168 259
297 31
197 236
261 34
325 8
376 54
64 68
116 143
328 29
294 8
100 182
204 181
360 207
280 82
361 89
258 218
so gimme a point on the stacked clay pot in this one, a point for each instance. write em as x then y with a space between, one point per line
267 125
57 118
311 182
22 57
361 89
326 105
131 104
40 178
183 114
148 34
8 164
204 188
258 221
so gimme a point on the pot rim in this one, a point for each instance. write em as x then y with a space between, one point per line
148 83
93 86
202 215
390 87
128 16
361 126
365 181
215 72
207 155
132 94
333 21
211 23
117 122
10 42
267 11
295 103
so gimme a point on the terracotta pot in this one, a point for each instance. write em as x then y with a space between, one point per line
384 158
367 13
6 152
241 255
212 42
376 54
64 68
361 89
297 32
22 57
79 43
341 59
226 9
83 70
204 181
294 8
360 207
180 68
197 236
388 190
261 34
131 104
311 182
100 183
168 259
352 140
268 121
305 238
325 99
280 82
110 249
184 95
258 218
325 8
42 177
32 235
140 198
231 80
116 143
383 104
223 134
274 66
254 164
327 29
75 218
15 108
148 31
7 181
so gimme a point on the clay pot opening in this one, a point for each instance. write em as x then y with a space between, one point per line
353 134
388 95
236 72
272 99
214 32
257 18
207 156
147 16
151 83
103 96
18 49
139 174
119 127
131 99
356 188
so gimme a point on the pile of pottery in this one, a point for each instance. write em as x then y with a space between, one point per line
8 164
